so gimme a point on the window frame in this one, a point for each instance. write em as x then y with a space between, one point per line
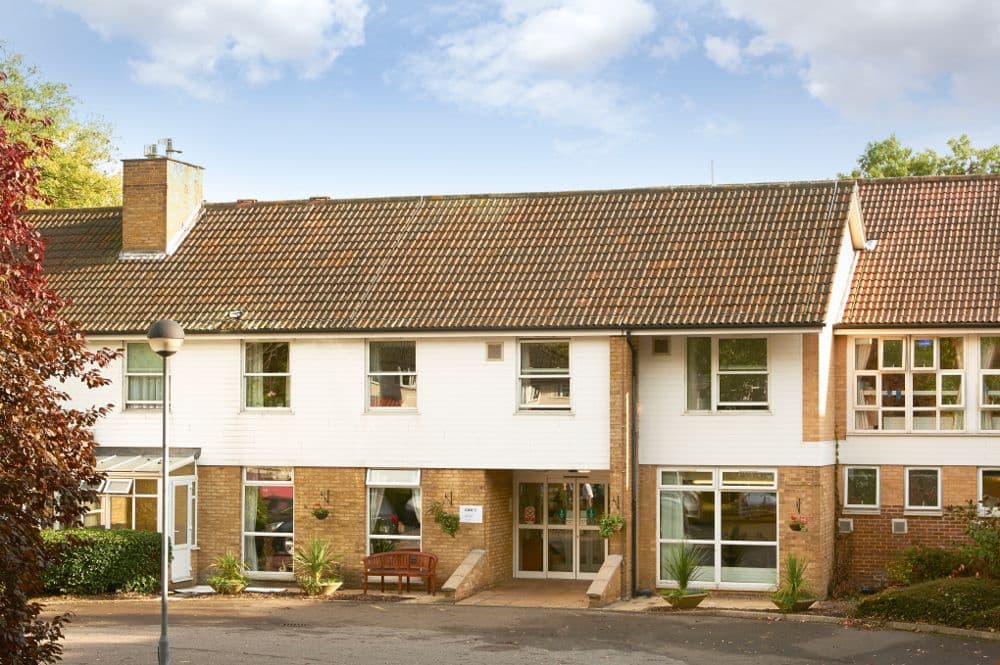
878 488
132 494
718 542
908 370
982 510
265 574
715 374
416 486
244 374
521 376
141 405
413 375
907 508
981 387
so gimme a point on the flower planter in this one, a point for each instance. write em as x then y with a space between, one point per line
686 601
795 526
798 605
331 588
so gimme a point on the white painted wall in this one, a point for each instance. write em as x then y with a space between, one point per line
467 415
670 435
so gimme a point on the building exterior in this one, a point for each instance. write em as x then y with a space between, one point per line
695 359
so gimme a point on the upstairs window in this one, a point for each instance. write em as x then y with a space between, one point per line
392 375
727 374
143 377
989 361
266 375
909 384
544 375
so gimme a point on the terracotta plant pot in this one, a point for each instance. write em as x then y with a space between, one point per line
687 601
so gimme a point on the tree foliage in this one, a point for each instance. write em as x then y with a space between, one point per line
46 449
74 169
889 158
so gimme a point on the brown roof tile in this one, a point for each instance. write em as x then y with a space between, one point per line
937 258
724 256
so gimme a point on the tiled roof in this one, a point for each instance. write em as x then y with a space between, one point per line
937 258
736 255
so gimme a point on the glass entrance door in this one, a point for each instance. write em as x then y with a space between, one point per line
557 527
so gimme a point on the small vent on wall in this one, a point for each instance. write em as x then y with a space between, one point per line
661 346
845 525
494 351
898 527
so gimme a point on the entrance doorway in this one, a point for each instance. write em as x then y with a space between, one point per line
557 525
182 523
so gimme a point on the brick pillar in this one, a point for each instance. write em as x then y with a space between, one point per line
620 485
219 519
345 527
809 491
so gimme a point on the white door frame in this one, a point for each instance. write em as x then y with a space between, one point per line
182 553
572 521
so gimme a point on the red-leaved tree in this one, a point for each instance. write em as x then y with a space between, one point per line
46 449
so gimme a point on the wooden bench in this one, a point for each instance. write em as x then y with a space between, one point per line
402 564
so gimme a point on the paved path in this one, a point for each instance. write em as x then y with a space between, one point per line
221 631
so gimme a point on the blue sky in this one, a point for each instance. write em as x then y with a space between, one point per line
293 98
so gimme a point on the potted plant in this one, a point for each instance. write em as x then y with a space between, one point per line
319 512
317 568
682 565
794 595
229 577
798 522
610 524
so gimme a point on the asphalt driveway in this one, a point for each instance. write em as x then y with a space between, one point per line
222 631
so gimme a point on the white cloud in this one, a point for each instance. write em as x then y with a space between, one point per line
544 58
859 55
187 41
725 52
675 43
717 127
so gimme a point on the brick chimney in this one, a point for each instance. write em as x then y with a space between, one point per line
161 200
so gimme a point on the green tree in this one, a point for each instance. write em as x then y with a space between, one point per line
889 158
74 173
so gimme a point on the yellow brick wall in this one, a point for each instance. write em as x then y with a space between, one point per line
818 407
219 518
345 527
620 485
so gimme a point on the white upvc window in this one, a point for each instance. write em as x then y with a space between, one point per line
392 375
861 487
132 503
922 488
394 510
268 520
143 377
266 375
989 492
909 383
730 516
544 375
989 381
727 374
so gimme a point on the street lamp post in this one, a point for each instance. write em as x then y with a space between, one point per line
165 338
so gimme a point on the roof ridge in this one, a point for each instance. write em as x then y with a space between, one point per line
929 178
37 211
781 184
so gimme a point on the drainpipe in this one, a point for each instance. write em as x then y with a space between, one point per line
634 464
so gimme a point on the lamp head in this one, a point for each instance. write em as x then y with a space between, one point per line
165 337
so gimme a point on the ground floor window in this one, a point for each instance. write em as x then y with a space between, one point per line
729 515
923 489
861 488
131 503
393 510
989 491
268 519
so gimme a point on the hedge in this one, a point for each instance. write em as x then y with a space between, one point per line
963 602
91 561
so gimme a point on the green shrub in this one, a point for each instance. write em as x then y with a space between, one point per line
93 561
917 563
964 602
229 575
